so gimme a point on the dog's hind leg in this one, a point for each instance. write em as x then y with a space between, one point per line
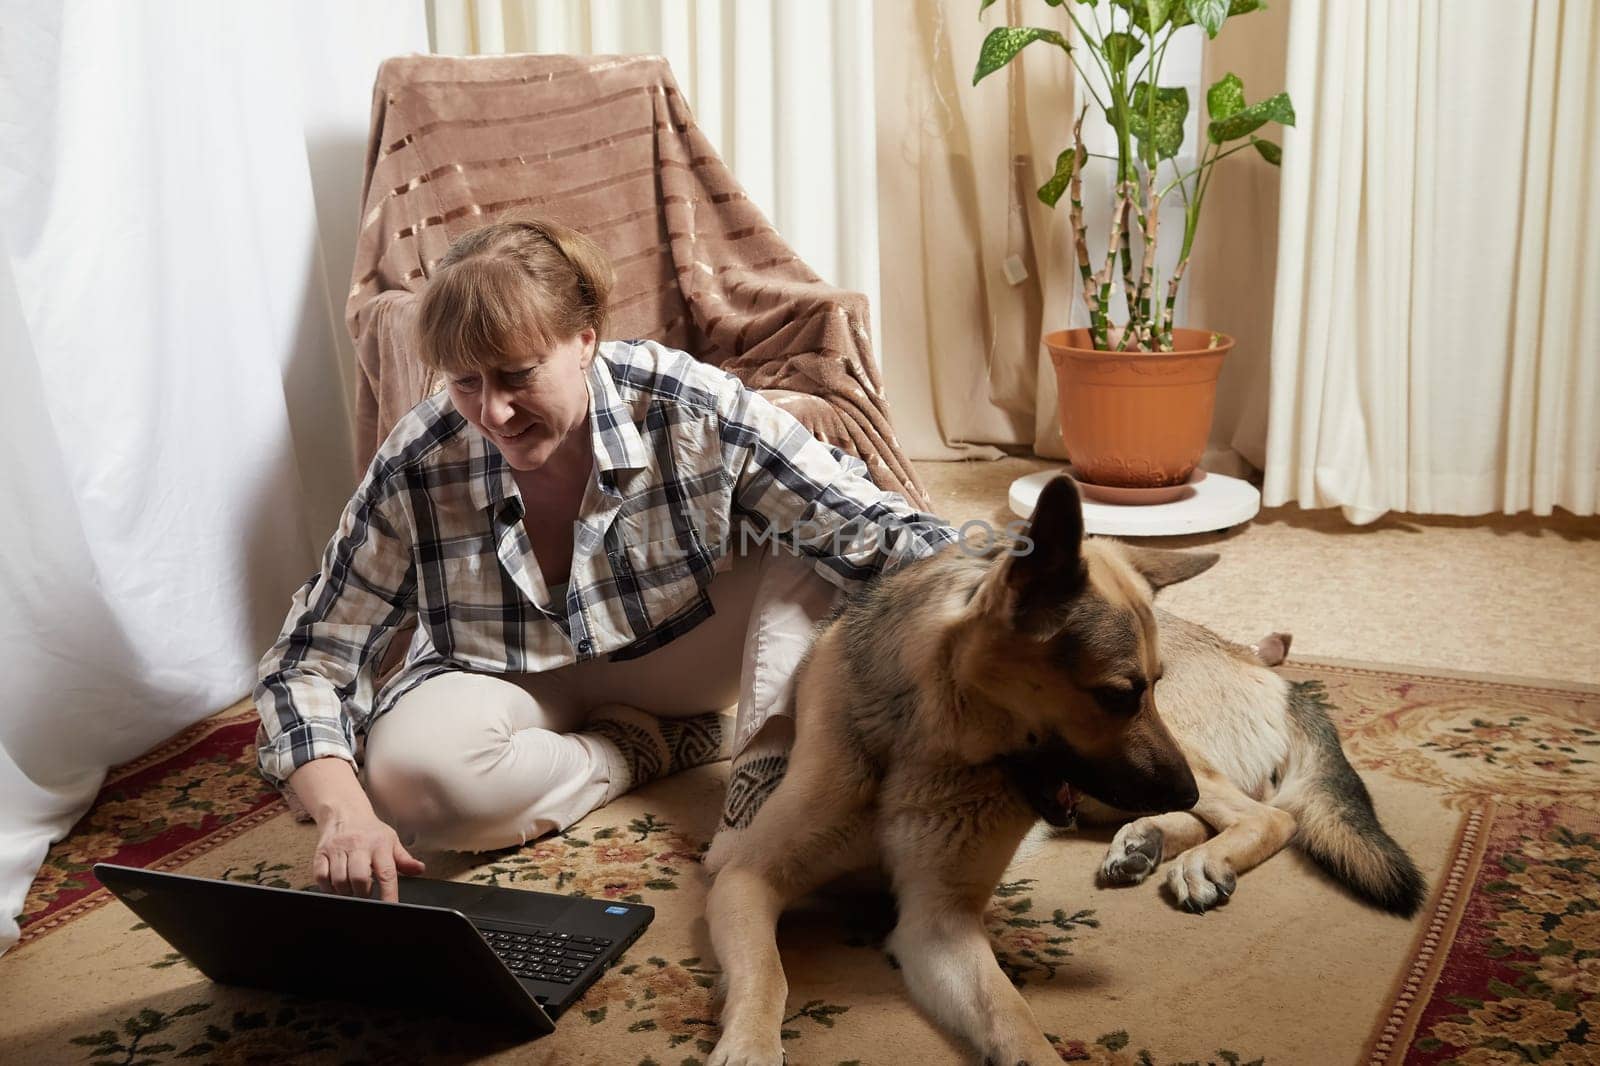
1248 833
806 833
1145 843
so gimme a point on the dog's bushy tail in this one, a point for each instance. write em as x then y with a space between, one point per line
1337 826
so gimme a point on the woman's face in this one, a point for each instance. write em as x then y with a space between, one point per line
528 407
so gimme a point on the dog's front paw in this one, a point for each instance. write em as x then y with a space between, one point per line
1199 881
744 1049
1134 854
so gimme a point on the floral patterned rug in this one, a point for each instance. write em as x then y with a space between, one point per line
1492 786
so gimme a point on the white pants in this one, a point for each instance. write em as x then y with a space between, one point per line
474 762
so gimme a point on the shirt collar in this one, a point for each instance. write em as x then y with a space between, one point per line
617 444
616 440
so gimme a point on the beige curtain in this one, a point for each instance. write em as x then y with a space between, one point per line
957 169
1233 268
783 88
1437 341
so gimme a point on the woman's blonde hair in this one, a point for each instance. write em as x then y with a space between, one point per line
504 284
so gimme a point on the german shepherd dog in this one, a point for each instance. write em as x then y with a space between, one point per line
950 704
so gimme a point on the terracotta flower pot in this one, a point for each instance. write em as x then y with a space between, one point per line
1136 419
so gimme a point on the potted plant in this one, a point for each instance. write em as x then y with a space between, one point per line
1137 396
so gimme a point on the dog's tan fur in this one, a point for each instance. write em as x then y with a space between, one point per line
936 717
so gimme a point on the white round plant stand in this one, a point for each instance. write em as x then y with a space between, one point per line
1215 502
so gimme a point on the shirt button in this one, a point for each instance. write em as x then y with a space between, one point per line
585 646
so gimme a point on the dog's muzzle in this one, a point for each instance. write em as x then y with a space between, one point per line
1054 778
1038 776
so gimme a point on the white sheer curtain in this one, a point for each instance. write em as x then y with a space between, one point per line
178 195
783 88
1436 346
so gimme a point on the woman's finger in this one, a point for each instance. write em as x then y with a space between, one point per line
408 864
360 872
338 867
383 872
319 869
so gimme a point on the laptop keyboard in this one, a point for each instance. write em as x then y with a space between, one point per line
539 955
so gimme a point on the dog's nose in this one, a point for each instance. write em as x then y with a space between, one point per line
1187 792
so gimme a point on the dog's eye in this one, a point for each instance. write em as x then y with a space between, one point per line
1120 701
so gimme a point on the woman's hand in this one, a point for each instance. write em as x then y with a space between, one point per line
356 848
360 850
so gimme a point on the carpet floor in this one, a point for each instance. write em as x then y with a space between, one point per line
1490 785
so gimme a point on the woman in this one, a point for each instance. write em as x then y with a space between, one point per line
604 546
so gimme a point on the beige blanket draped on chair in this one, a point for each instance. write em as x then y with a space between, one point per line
607 145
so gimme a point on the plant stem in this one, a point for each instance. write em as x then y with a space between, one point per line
1147 281
1172 299
1127 276
1093 51
1182 188
1080 234
1184 177
1102 280
1161 57
1191 223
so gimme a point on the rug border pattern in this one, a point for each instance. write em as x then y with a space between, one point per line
1413 988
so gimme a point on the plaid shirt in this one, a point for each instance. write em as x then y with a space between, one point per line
687 460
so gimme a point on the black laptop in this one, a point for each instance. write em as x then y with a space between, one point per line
507 955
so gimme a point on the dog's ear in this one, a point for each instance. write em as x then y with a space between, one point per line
1049 569
1161 567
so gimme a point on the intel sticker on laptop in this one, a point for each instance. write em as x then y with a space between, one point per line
616 910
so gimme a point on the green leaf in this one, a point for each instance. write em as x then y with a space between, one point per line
1004 42
1150 15
1252 118
1120 47
1156 14
983 5
1051 190
1269 151
1226 97
1208 13
1165 135
1181 16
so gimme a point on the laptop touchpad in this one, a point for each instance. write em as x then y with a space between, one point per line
485 902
